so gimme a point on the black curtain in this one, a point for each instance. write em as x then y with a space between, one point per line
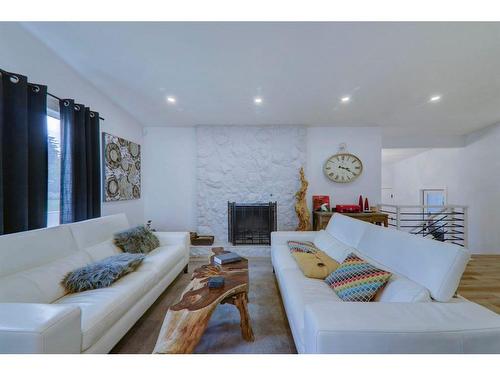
23 154
80 162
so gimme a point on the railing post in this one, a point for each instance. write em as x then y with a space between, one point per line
398 218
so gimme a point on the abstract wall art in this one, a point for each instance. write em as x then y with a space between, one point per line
122 169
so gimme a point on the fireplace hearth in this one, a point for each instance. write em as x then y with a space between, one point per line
251 223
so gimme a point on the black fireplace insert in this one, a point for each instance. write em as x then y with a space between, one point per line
251 223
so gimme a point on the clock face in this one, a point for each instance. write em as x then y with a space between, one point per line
343 167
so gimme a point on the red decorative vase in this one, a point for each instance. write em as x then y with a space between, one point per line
367 206
360 203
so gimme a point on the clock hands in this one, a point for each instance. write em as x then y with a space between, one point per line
346 168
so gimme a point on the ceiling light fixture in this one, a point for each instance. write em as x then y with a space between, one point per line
257 100
171 99
435 98
345 99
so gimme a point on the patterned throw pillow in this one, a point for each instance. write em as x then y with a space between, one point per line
357 280
302 247
101 274
136 240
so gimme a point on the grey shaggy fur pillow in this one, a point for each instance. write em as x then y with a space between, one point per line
101 274
136 240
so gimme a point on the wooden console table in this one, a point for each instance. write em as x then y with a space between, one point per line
321 219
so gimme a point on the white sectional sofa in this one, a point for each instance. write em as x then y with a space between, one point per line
417 312
37 316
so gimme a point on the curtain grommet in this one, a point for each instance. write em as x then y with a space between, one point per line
14 79
92 114
66 103
77 107
36 88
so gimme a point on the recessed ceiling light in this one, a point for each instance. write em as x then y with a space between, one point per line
345 99
171 99
257 100
435 98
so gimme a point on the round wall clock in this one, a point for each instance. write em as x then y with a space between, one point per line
343 167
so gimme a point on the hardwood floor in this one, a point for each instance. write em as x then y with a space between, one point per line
481 281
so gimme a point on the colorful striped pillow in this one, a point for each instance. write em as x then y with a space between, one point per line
357 280
302 247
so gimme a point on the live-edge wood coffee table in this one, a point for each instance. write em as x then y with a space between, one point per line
186 321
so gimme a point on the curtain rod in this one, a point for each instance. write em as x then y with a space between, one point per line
48 93
55 97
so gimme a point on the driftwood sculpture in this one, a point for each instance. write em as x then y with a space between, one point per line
301 206
187 320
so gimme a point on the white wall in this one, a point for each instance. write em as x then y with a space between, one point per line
365 142
22 53
471 176
169 183
170 170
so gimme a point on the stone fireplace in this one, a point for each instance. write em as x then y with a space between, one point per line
247 164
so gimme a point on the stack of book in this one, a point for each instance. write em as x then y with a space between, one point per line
226 258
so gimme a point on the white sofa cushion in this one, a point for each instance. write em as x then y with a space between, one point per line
94 231
18 288
33 328
102 250
435 265
399 288
173 238
297 292
162 259
49 276
346 229
39 281
402 289
101 308
282 259
454 327
331 246
25 250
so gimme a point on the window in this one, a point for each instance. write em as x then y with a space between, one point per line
433 197
54 168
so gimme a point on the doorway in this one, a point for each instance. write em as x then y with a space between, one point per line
433 197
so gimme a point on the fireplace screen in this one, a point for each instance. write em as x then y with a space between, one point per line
251 223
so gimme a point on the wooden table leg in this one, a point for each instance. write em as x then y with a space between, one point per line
240 300
173 338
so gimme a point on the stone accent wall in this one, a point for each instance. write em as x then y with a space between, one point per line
247 164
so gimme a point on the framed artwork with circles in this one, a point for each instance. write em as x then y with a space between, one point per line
122 168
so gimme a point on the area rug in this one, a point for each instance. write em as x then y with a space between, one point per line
269 322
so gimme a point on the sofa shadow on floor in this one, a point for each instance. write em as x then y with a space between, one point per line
223 335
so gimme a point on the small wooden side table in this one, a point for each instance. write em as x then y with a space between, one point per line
321 219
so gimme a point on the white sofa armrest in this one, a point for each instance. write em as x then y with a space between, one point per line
281 238
174 238
39 328
377 327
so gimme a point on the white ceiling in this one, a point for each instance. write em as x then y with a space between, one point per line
301 70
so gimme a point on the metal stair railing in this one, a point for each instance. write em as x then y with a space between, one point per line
447 224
